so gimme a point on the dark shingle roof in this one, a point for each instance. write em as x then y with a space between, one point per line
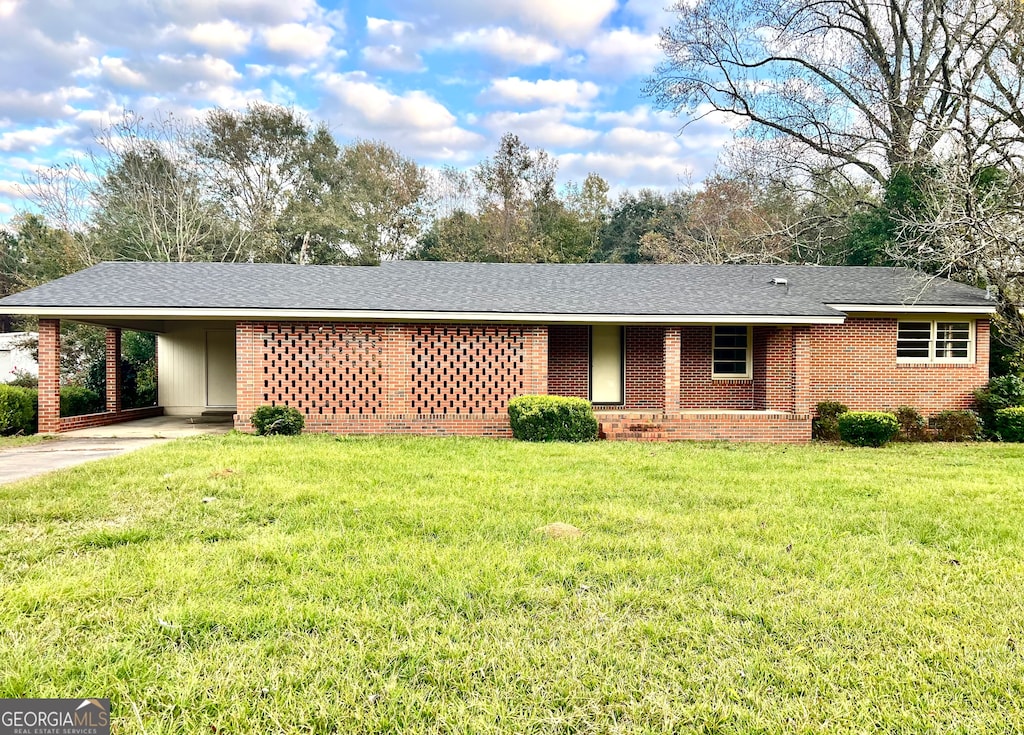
412 286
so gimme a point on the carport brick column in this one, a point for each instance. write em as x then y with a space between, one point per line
113 370
248 362
49 376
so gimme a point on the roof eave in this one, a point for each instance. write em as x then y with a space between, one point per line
914 308
84 312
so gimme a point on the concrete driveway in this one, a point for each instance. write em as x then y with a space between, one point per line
76 447
19 463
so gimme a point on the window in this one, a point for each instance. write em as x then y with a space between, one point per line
730 354
935 341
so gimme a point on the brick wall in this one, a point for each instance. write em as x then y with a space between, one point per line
696 388
378 378
569 361
645 368
855 363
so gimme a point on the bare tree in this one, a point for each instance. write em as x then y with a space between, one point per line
859 86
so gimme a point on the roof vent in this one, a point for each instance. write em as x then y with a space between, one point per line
779 282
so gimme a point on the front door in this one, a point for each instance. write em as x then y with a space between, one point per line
220 368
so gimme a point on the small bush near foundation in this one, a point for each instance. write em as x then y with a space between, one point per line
76 400
956 426
552 418
825 426
867 428
1009 424
17 410
1004 391
283 420
24 379
913 427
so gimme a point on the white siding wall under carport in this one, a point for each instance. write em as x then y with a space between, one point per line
196 368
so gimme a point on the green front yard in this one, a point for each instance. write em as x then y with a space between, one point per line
247 585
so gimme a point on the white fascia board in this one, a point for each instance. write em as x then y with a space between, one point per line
913 309
408 316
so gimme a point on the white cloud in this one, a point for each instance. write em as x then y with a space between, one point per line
12 189
628 169
392 57
224 35
568 92
413 121
116 72
639 141
507 44
565 21
652 14
543 128
382 28
296 39
32 139
623 52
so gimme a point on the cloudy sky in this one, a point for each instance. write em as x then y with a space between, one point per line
440 80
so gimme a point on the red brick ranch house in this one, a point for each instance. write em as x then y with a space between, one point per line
662 351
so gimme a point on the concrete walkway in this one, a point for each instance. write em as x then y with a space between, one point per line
84 445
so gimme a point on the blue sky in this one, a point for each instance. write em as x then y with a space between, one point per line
440 80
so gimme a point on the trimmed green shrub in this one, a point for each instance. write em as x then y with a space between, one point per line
75 400
913 427
283 420
956 426
18 408
1009 424
825 426
1004 391
552 418
867 428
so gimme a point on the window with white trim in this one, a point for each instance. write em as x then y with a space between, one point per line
731 352
935 341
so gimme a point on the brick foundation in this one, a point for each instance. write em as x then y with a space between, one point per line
780 428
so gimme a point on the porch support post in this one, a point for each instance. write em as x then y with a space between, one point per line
537 360
673 357
802 369
49 376
113 370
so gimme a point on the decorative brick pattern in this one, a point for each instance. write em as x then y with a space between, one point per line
855 364
466 369
399 378
569 361
328 369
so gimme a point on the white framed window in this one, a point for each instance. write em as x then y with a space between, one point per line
731 352
937 340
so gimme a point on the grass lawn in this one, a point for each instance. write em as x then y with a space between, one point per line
245 585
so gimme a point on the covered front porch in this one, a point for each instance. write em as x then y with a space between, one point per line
652 382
